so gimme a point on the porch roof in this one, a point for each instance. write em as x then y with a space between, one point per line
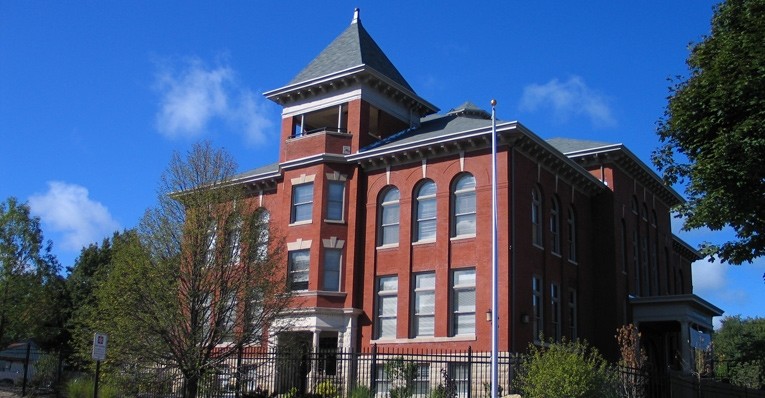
683 307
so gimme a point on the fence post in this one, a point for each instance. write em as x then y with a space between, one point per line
373 370
238 381
470 372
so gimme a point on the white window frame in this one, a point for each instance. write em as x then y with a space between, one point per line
307 203
571 222
421 382
335 203
420 220
461 287
555 226
291 271
264 222
466 213
420 312
537 304
332 269
459 372
555 311
392 205
235 242
380 310
536 217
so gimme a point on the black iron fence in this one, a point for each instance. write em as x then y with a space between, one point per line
378 372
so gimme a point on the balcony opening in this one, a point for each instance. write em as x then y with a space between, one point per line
333 119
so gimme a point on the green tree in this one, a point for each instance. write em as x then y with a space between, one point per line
567 369
712 131
739 349
199 272
91 268
30 288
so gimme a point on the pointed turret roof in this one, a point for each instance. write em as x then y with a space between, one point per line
353 47
351 58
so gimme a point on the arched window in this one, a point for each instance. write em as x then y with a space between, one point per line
389 217
571 234
463 206
536 217
555 226
425 212
261 224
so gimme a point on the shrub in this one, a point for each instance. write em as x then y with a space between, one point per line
565 370
360 392
83 388
326 389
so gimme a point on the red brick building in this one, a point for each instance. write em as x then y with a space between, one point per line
385 207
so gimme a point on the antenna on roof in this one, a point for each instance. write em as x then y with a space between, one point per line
355 15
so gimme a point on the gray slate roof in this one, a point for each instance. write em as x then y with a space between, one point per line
567 145
457 120
354 47
269 168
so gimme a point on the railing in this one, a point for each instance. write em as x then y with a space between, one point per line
320 130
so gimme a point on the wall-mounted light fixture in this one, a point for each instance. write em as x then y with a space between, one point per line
524 318
488 315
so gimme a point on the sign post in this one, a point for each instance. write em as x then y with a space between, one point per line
99 354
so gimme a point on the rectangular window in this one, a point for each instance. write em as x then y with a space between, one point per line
555 307
572 314
382 381
302 202
229 309
536 289
387 303
234 243
424 304
335 200
211 239
459 372
331 277
421 380
463 302
299 261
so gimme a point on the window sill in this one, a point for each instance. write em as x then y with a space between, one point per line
538 246
429 339
388 246
556 254
334 221
573 262
296 223
461 237
331 293
424 242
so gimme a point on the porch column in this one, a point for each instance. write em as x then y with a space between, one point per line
685 345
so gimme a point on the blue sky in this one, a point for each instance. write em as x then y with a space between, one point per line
96 96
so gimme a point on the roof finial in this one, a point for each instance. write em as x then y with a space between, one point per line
355 15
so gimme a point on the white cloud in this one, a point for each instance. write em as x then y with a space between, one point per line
709 276
566 99
193 96
67 209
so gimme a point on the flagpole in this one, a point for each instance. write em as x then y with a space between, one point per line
494 268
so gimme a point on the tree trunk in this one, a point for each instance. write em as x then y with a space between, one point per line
191 386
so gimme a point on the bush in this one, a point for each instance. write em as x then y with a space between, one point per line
360 392
83 388
565 370
326 389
